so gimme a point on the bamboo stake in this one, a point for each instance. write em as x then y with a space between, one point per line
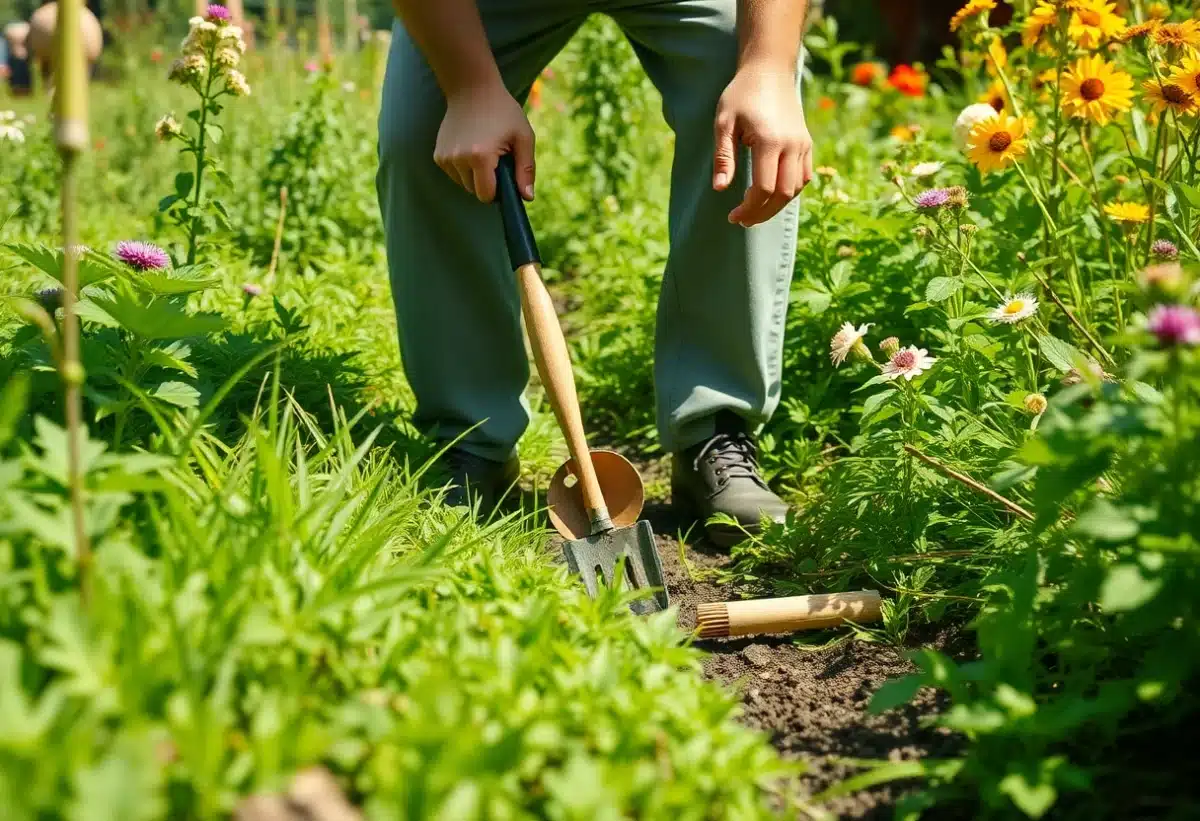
969 482
71 137
351 13
324 34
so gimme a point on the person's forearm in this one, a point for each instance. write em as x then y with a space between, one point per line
769 33
450 34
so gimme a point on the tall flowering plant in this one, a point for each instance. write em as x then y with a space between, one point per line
208 65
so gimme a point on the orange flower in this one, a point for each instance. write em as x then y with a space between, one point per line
865 74
902 133
535 94
826 104
908 81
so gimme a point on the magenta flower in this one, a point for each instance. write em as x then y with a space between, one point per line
1164 249
217 14
1174 325
933 198
142 256
250 289
311 66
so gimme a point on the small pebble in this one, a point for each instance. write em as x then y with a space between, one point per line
758 655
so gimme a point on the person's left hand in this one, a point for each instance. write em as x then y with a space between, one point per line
760 109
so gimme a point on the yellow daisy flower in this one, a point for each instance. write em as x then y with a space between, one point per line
995 96
1093 22
1168 95
1158 11
1133 213
973 8
1180 35
1187 76
996 142
1138 30
1043 16
1094 90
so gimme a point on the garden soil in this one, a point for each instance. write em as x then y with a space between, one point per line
810 699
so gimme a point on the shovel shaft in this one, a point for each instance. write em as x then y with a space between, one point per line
546 339
554 367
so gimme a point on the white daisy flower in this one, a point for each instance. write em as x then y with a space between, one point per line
11 133
925 169
1014 309
970 116
908 362
845 341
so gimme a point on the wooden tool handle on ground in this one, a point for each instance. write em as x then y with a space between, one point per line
787 615
554 366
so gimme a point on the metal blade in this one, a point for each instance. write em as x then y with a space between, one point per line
594 559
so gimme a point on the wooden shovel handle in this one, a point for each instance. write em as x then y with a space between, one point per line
550 352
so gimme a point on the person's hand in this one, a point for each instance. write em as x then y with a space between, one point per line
480 125
760 109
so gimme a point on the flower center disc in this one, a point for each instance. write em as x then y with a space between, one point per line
1175 95
904 360
1015 307
1091 89
1000 141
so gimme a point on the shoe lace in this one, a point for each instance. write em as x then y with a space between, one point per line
731 455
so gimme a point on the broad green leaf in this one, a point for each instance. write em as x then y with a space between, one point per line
896 692
179 394
172 357
940 289
89 311
1126 588
1187 194
816 301
1061 355
92 267
1105 522
1032 799
183 183
12 406
152 318
125 785
874 401
188 279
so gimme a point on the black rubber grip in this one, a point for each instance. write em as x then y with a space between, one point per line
518 233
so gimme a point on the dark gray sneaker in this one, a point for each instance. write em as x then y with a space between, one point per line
469 478
720 475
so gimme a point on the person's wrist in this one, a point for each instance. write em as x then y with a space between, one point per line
479 84
766 66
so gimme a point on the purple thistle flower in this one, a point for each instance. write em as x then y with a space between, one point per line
1175 325
142 256
1164 249
216 13
933 198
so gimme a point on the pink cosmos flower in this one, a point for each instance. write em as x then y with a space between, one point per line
143 256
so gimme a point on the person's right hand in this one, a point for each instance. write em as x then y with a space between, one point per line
480 125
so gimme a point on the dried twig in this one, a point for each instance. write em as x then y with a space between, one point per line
969 482
1074 321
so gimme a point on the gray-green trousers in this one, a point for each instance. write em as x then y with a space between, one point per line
719 338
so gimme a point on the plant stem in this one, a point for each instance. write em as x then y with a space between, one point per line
1074 321
71 135
200 146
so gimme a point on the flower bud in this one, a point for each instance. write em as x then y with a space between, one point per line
889 346
1035 403
166 128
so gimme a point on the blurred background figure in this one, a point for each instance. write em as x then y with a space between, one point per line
41 38
16 58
